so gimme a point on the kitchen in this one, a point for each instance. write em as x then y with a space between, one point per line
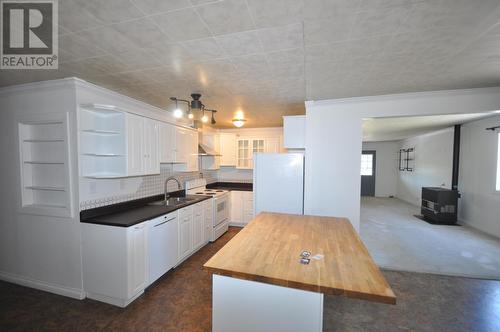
194 165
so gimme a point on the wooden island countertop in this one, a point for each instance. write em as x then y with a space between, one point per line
268 250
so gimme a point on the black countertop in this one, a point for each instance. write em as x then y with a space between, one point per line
231 186
131 213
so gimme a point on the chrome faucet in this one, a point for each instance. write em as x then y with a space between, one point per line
166 185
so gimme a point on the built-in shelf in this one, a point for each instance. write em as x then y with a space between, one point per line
101 132
45 165
47 188
103 154
44 162
43 140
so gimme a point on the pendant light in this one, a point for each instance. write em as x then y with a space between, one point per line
213 117
177 112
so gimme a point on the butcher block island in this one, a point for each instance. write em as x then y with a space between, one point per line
273 274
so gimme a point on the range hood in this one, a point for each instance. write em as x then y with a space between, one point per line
204 150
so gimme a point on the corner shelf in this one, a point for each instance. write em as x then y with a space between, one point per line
102 141
45 165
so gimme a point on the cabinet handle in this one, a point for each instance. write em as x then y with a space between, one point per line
164 222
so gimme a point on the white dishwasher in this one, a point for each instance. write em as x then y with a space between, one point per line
162 245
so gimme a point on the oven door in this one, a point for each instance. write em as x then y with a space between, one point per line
221 209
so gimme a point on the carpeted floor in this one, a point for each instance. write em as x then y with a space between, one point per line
399 241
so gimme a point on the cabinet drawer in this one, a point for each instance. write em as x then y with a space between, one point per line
186 212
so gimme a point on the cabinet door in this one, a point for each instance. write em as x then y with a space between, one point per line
134 144
273 145
181 145
192 146
137 258
185 233
151 148
258 146
243 153
198 226
208 215
236 207
167 143
247 206
227 149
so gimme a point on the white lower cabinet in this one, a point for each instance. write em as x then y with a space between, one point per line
120 262
241 207
115 262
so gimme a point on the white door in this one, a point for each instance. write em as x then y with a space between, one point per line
167 143
185 232
228 149
198 226
247 200
181 145
137 258
236 207
134 144
151 148
278 183
192 147
243 153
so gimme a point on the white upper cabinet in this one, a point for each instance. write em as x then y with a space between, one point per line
192 151
182 140
212 141
227 149
167 143
186 154
142 146
294 131
151 151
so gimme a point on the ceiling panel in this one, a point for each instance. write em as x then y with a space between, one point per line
267 57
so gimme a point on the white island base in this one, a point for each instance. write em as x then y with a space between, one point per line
249 306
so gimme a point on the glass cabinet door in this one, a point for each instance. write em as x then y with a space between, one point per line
243 153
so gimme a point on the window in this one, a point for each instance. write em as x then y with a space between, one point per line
498 164
367 164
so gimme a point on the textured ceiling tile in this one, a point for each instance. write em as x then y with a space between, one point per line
332 52
157 6
170 54
141 33
203 49
73 16
280 38
328 30
182 24
318 9
226 16
251 63
78 47
106 38
277 12
382 22
136 58
241 43
111 11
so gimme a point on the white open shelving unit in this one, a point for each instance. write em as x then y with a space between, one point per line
103 141
45 165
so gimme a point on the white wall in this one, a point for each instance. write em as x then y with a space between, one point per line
479 206
386 173
433 164
37 251
334 136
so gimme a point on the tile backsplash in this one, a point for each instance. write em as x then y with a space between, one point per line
97 193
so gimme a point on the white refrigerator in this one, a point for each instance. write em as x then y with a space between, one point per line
278 183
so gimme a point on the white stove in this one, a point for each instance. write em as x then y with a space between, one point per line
220 205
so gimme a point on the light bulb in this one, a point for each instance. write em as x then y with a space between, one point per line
178 113
204 119
190 116
238 122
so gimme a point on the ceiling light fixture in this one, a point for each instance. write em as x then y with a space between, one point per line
194 105
239 119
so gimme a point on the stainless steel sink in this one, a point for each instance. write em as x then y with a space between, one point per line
172 201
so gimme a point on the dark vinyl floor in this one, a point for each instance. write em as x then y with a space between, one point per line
181 301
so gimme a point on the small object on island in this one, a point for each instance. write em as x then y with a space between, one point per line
304 261
305 254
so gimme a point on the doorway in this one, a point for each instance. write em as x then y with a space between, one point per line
368 167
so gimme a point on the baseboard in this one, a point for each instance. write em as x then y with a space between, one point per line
44 286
